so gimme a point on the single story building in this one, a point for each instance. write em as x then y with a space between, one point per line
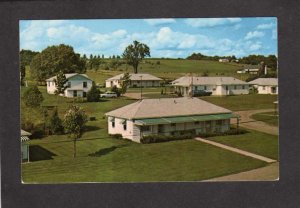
77 85
168 116
217 85
24 146
265 85
136 80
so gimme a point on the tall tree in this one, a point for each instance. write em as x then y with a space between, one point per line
74 122
134 53
125 81
60 82
93 94
55 123
54 59
33 97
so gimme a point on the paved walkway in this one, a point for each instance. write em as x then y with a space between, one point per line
135 95
236 150
268 173
247 122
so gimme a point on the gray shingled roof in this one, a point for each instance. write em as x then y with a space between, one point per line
186 81
265 81
136 77
167 107
68 76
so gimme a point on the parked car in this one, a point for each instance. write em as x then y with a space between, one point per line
200 93
109 95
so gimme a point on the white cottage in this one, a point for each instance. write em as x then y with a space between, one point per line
216 85
265 85
77 85
136 80
24 146
168 116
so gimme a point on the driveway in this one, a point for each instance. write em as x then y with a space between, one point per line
135 95
268 173
247 122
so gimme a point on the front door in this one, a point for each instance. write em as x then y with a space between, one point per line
75 93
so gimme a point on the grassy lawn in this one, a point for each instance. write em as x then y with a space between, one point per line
104 159
254 141
243 102
267 117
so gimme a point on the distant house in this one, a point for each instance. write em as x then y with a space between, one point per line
77 85
249 69
168 116
265 85
216 85
24 146
136 80
223 60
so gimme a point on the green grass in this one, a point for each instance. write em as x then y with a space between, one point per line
267 117
254 141
104 159
243 102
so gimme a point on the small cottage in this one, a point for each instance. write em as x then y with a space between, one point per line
136 80
216 85
77 85
24 146
265 85
168 116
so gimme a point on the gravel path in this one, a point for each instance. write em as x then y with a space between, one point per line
247 122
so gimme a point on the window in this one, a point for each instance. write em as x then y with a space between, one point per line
173 124
84 84
243 87
145 128
69 85
197 123
84 94
226 87
48 84
219 122
235 87
125 126
205 87
113 123
75 93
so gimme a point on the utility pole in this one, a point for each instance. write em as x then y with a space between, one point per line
141 88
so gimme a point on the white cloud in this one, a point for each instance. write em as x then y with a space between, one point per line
274 34
211 22
265 26
160 21
254 34
256 46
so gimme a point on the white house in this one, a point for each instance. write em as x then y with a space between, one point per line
24 146
168 116
216 85
223 60
136 80
77 85
265 85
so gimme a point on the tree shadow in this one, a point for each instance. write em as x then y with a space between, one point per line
106 151
37 153
91 128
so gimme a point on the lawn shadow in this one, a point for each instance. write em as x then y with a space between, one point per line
106 151
37 153
91 128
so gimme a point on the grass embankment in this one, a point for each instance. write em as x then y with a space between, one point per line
268 117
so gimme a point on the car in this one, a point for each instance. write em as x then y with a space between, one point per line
199 93
109 95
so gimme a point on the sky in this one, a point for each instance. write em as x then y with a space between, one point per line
172 38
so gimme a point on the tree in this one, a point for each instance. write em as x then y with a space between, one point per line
22 73
134 53
60 82
54 59
125 81
74 122
93 94
116 90
33 97
55 123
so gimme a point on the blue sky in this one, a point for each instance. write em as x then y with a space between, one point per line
166 37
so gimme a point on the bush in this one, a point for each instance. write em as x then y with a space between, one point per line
116 136
93 95
55 124
231 131
32 97
163 138
93 118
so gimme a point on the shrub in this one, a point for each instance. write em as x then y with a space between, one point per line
33 97
93 94
93 118
55 123
163 138
116 136
232 131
